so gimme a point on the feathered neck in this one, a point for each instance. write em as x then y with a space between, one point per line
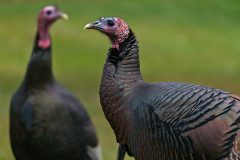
39 70
121 72
126 59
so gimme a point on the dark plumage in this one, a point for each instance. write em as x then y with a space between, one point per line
46 121
167 120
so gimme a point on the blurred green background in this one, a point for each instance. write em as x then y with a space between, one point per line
180 40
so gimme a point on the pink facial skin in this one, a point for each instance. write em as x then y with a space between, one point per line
47 16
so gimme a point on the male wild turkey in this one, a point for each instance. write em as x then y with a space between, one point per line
167 120
46 121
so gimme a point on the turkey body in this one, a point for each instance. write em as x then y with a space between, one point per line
46 121
51 124
181 121
168 120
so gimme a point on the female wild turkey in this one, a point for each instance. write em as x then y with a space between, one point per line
167 120
47 122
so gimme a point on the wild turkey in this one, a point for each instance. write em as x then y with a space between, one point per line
46 121
167 120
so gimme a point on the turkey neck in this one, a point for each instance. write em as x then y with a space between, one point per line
121 72
39 71
125 62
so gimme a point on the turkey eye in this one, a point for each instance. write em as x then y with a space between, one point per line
110 23
49 13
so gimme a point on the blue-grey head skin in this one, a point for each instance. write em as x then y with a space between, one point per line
47 122
167 120
115 28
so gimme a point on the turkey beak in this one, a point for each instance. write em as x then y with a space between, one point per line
94 25
63 15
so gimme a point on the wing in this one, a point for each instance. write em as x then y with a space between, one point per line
80 118
83 124
208 119
20 124
26 116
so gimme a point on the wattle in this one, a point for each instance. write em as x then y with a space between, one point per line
44 43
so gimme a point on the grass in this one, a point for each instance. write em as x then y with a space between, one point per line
188 41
